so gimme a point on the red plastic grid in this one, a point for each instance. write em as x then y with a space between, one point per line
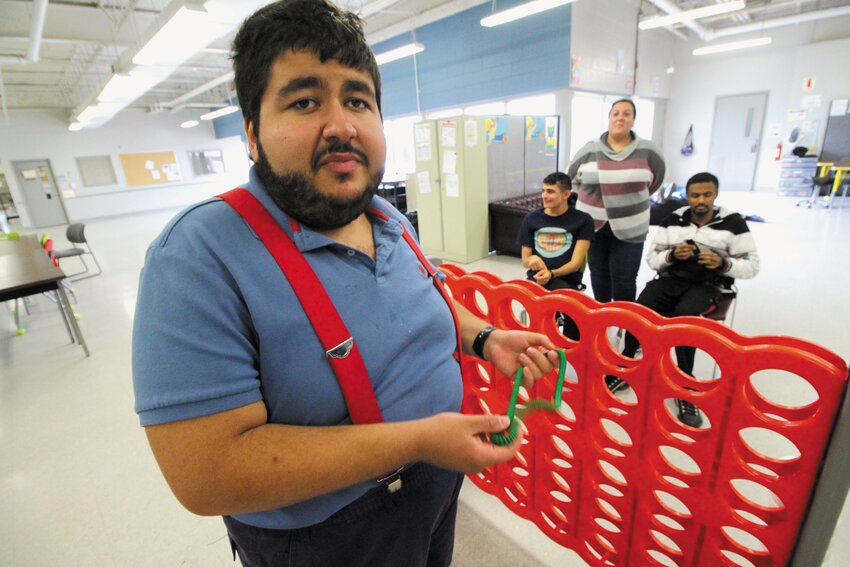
625 483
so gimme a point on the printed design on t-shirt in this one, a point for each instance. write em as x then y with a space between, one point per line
551 242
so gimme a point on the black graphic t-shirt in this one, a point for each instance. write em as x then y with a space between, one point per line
554 238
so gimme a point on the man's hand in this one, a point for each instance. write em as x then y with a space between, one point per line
535 263
459 442
710 260
543 276
683 251
507 350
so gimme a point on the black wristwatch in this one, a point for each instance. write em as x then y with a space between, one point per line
478 343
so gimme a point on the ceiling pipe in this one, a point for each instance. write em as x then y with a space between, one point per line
780 22
208 86
3 98
37 29
671 8
375 6
36 32
430 16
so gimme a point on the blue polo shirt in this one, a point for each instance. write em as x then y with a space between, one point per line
218 327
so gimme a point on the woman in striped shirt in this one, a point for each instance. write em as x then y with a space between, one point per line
616 174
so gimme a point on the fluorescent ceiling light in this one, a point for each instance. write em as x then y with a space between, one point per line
75 126
689 15
220 112
189 124
399 52
127 87
521 11
721 47
188 31
95 112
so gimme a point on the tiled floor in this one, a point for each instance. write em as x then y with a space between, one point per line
78 485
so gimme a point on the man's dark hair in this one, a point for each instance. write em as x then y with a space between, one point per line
630 101
560 179
316 26
703 177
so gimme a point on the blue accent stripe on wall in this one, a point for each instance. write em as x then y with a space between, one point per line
464 62
230 125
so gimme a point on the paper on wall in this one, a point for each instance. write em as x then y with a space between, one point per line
449 161
423 152
423 180
422 133
156 174
470 130
452 185
838 107
448 132
149 165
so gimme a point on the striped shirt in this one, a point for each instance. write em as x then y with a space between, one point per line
614 187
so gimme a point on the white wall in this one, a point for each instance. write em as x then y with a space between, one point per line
655 50
778 69
696 86
826 63
603 45
45 135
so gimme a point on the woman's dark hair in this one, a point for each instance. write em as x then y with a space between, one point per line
630 101
298 25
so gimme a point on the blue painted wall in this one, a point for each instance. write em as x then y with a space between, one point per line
230 125
465 62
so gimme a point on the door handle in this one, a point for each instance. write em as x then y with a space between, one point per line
755 146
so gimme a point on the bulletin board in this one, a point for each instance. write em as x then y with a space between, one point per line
153 168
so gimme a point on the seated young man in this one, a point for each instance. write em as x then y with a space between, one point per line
698 250
555 240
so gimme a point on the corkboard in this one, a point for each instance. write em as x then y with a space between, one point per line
153 168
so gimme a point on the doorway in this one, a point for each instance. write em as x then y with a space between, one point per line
41 197
736 139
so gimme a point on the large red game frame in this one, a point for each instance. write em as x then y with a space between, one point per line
623 482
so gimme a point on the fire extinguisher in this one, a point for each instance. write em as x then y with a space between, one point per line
778 151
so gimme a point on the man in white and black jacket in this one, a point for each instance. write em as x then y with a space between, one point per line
697 251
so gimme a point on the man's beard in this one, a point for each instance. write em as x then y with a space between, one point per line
302 200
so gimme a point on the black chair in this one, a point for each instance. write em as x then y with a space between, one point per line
76 235
822 185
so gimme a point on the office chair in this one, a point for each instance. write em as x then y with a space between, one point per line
822 185
725 308
76 235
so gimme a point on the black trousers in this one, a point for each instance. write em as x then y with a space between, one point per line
412 527
569 327
672 297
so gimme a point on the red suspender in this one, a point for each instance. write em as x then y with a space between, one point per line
433 274
338 343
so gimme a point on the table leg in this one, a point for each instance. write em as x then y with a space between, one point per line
63 299
65 318
835 185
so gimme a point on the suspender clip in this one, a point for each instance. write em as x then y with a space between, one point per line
342 350
392 481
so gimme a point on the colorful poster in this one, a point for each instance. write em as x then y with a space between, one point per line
575 71
535 128
497 130
551 132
